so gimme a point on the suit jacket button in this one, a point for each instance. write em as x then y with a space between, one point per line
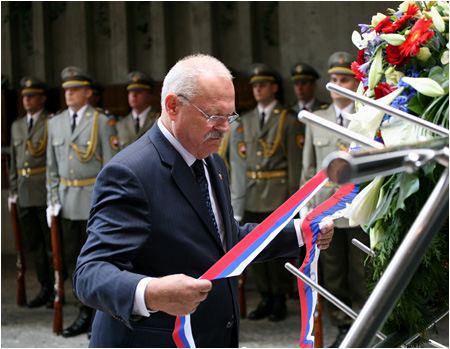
229 324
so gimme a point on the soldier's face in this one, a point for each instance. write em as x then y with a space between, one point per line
345 81
77 97
264 92
304 90
139 99
33 103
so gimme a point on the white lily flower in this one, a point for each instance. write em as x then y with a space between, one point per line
437 20
396 131
365 203
425 86
393 39
444 58
367 120
376 69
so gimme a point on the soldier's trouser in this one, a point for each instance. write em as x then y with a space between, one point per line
344 273
36 241
74 236
271 277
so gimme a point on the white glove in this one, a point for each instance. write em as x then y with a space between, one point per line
52 210
11 200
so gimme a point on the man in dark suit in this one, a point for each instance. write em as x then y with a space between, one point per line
156 225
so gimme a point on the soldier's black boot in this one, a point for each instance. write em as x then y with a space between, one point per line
279 311
263 309
81 324
42 298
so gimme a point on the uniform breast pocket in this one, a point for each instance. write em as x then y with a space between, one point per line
321 142
58 146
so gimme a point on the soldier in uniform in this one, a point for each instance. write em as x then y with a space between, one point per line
272 148
81 140
343 264
96 98
27 184
304 79
142 116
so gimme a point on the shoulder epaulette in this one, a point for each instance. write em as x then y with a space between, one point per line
56 113
324 106
103 111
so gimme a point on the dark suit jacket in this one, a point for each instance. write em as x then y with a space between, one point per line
148 218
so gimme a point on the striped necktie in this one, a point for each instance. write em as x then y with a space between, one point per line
199 171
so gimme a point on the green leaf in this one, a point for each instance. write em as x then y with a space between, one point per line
416 106
409 184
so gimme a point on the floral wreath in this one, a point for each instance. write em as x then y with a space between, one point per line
403 61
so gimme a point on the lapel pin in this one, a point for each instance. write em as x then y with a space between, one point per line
220 176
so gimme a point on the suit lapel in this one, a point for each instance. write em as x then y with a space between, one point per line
184 179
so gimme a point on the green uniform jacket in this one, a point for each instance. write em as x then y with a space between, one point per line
64 164
28 154
277 148
126 130
234 152
318 144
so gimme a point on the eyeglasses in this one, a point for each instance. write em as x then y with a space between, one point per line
214 119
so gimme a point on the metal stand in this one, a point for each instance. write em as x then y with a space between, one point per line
352 168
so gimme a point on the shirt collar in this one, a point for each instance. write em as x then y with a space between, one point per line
188 157
141 115
35 116
80 112
307 106
268 109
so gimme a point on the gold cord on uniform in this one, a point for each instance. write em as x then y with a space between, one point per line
86 155
42 146
270 150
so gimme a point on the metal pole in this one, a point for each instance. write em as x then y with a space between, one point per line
401 268
388 109
327 295
315 120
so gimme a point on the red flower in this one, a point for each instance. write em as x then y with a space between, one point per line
419 34
393 27
382 24
358 74
360 58
395 57
383 89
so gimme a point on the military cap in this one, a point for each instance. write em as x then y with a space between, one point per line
75 77
340 63
303 71
262 72
31 86
137 80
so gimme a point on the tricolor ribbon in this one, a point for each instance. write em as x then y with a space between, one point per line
329 210
240 256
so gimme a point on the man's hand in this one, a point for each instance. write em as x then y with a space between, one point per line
176 294
52 210
325 236
11 200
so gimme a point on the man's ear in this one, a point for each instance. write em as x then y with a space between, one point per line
275 88
171 104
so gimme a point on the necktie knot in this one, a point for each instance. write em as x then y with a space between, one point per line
340 120
30 125
261 120
74 121
137 126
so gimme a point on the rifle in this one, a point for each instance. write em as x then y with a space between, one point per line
20 262
318 337
59 281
